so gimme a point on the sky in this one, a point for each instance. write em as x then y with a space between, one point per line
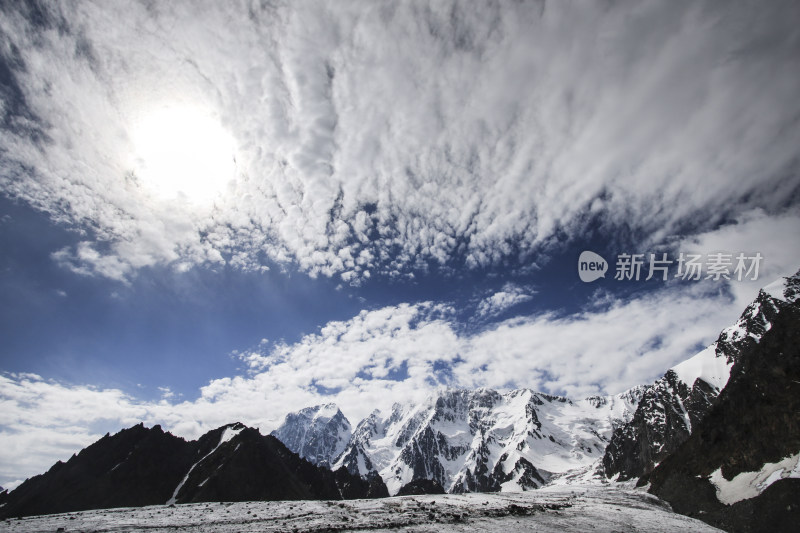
226 211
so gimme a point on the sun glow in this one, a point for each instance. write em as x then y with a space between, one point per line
183 154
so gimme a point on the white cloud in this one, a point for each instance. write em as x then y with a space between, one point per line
498 302
774 237
376 138
166 393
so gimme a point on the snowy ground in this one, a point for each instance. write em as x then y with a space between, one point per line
552 509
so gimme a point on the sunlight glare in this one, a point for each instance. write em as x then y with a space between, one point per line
183 154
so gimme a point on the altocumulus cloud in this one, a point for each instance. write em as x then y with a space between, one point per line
508 297
377 138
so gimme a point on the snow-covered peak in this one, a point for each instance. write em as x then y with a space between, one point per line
786 289
776 289
483 439
318 433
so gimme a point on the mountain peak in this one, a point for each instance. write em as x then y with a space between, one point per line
319 433
326 411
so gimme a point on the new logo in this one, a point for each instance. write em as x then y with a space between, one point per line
591 266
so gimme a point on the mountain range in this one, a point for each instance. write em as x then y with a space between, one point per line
484 440
717 436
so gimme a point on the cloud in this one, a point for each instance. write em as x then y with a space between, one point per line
42 421
753 232
378 139
500 301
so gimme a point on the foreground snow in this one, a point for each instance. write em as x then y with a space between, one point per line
551 509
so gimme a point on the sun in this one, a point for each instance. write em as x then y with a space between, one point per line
183 154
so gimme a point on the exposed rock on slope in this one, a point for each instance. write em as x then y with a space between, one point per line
141 466
678 402
420 486
740 470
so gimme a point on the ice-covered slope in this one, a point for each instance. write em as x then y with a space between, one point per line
483 440
674 405
318 433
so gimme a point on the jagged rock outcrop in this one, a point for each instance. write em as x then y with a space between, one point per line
140 466
419 487
679 401
740 468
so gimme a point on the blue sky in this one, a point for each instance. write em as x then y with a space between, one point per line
225 211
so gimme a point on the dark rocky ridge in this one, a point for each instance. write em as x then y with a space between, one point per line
135 467
140 466
753 421
658 426
420 486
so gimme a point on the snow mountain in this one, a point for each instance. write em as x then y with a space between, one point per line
315 433
483 440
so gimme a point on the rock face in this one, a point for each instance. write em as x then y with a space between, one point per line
137 466
315 433
482 440
740 469
420 486
140 466
679 401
